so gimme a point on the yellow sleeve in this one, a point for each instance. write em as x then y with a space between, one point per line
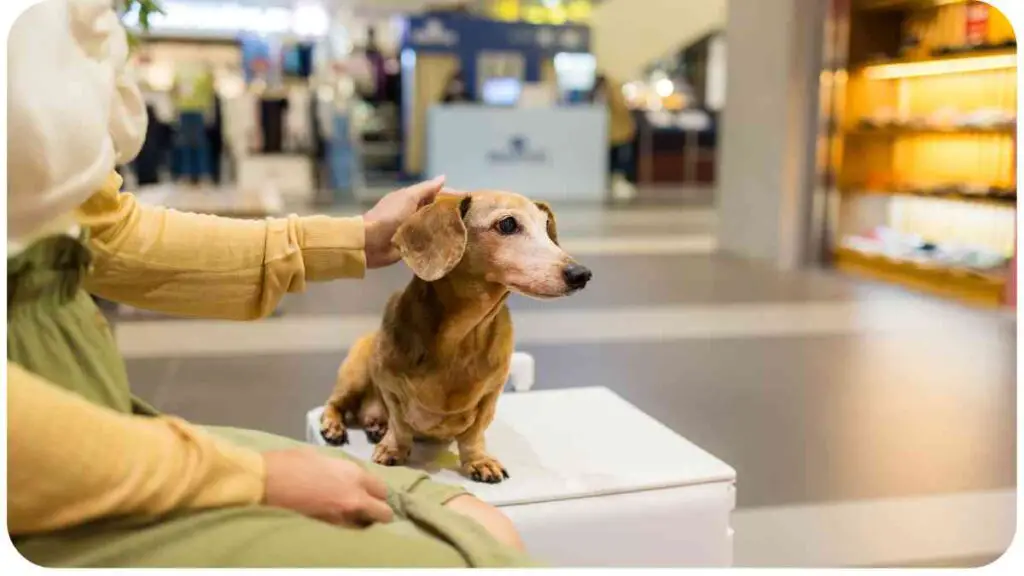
208 266
70 461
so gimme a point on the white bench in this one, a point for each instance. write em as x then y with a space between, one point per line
594 481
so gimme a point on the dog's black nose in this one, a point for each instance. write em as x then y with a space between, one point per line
576 276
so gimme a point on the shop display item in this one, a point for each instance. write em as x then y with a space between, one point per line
959 190
892 244
272 120
440 360
947 118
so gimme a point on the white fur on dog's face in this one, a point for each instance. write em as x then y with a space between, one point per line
527 261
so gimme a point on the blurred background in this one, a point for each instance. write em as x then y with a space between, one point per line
800 215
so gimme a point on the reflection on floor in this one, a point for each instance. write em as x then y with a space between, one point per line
868 426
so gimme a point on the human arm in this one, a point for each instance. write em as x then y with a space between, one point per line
492 519
71 461
208 266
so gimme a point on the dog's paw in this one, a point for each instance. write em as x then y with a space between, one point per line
333 431
375 431
485 469
386 456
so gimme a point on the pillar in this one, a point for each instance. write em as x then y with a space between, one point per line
769 130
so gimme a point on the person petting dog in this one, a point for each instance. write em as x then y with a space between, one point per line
97 477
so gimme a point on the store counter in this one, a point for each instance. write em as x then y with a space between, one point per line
554 154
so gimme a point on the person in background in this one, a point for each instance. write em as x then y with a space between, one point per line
455 89
96 477
621 131
194 97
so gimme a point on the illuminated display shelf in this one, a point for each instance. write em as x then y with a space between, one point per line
873 5
988 200
977 287
934 87
910 131
963 63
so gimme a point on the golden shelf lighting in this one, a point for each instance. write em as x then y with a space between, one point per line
940 66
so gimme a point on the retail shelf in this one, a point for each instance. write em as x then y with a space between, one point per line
1004 202
955 63
962 284
907 131
894 5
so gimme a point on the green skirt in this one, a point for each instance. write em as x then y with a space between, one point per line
55 330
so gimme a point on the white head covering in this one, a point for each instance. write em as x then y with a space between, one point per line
73 113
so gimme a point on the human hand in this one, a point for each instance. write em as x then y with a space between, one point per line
382 221
325 488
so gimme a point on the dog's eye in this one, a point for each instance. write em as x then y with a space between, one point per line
508 226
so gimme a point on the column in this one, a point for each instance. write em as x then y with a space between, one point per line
769 130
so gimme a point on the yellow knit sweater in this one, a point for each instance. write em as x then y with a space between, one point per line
70 461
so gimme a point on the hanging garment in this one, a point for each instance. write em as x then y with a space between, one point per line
215 137
194 91
153 155
240 121
193 147
299 133
272 123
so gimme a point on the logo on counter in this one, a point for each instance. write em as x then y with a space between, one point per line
572 39
434 33
518 149
546 37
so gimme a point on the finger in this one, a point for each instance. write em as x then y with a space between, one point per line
376 511
375 486
424 192
446 191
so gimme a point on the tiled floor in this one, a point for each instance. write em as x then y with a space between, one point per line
841 405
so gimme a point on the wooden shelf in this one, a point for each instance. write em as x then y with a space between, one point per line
965 198
961 284
908 131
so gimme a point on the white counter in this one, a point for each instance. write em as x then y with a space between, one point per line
554 154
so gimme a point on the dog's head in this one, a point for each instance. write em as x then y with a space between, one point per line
494 237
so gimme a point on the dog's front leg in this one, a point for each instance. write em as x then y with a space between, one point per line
395 447
476 462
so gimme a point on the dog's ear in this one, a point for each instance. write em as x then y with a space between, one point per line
433 240
552 227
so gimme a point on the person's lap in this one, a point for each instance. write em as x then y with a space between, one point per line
424 533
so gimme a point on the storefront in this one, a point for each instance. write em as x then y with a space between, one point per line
230 88
677 108
519 79
920 150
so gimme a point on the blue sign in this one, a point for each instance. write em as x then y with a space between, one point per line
462 33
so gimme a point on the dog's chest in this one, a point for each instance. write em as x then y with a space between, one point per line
445 403
434 425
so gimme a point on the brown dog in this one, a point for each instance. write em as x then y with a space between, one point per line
441 357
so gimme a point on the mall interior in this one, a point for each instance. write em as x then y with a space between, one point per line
800 216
